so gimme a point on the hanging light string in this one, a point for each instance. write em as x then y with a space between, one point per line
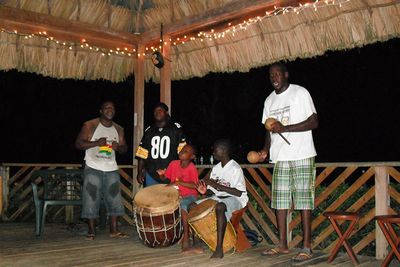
83 45
230 30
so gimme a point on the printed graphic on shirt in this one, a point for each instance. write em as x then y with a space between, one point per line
221 181
105 152
281 114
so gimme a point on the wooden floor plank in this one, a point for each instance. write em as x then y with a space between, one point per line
62 247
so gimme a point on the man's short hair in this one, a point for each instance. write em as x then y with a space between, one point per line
161 105
281 66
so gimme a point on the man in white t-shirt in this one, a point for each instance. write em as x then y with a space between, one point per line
228 186
294 170
101 138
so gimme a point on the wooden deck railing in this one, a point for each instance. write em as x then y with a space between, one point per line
369 188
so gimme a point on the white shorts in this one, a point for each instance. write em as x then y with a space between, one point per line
232 204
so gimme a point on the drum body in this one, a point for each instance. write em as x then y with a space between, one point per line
158 216
203 220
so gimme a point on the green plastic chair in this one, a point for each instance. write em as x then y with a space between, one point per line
60 187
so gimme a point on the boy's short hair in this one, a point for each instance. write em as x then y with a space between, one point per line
194 148
226 144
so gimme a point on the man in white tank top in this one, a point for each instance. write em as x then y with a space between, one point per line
101 138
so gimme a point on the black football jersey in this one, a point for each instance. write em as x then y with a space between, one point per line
160 146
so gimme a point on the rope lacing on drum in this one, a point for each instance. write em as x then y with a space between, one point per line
154 231
165 232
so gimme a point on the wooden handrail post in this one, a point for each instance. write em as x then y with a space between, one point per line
382 204
288 230
4 178
138 126
165 74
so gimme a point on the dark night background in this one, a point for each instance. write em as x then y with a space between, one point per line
356 94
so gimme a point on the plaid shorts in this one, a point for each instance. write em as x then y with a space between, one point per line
294 180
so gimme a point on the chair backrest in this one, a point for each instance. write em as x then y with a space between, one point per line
61 184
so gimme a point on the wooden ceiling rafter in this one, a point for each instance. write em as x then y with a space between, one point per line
29 22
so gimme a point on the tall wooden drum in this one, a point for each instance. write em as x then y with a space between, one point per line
158 215
203 220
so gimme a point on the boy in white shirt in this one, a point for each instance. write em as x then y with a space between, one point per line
294 171
228 185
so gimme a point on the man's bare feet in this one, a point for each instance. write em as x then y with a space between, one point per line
218 254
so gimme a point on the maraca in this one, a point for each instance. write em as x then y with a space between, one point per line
253 157
268 123
268 126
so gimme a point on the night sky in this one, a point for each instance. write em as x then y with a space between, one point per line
356 94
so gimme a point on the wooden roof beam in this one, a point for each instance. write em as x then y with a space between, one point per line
65 30
233 12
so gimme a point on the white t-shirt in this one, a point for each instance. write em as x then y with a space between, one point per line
292 106
231 175
103 157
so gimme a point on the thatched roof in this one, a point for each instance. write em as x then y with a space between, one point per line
282 37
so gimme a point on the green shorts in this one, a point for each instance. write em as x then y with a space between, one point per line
294 180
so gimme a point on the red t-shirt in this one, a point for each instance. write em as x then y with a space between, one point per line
188 174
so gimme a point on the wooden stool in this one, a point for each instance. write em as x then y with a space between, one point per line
335 216
386 222
242 243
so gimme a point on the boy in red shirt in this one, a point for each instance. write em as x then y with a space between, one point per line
183 174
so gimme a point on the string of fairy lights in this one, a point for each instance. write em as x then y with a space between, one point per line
210 35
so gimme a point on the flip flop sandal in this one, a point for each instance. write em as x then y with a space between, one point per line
118 235
273 252
90 237
303 255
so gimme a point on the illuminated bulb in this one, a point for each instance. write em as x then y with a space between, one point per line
126 49
165 43
116 52
201 40
177 39
109 54
64 43
229 24
134 50
83 40
87 45
44 33
103 54
90 48
82 46
111 50
129 54
174 43
212 30
143 54
26 37
184 36
183 42
118 49
70 48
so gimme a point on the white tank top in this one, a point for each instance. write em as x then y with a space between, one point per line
103 157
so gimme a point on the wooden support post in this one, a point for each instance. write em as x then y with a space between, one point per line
4 178
382 204
165 77
138 110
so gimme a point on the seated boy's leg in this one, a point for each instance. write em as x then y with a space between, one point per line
184 203
232 204
220 210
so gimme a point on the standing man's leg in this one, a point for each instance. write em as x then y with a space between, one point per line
304 195
220 209
113 201
281 201
91 199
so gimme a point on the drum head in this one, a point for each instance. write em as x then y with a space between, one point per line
201 210
157 199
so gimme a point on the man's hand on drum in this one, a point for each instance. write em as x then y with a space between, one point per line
201 186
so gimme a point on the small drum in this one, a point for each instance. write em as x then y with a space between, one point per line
158 216
203 220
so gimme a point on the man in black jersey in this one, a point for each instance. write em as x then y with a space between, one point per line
160 145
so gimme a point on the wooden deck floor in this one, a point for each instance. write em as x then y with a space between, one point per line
63 247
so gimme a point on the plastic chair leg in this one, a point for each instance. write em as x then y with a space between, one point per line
43 218
37 219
